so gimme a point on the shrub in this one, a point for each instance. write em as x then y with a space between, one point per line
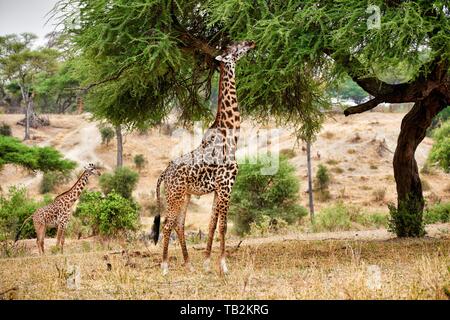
123 181
340 217
139 161
107 134
51 179
407 219
440 152
15 207
257 197
5 129
107 215
322 177
439 212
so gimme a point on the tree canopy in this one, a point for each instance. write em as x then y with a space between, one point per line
12 151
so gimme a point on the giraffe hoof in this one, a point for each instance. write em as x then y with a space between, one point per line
165 268
207 265
223 266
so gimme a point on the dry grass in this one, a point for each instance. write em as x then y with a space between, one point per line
408 269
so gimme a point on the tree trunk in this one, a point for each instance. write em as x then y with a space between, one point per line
310 189
408 220
27 119
119 146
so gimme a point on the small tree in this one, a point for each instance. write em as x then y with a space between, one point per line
139 161
123 181
257 198
107 134
51 179
322 182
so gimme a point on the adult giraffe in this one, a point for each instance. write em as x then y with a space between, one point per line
211 167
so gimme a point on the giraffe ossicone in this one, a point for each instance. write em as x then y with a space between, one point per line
211 167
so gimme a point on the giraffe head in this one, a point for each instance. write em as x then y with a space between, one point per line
92 169
235 51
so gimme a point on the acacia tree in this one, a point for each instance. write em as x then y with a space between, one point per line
20 64
145 57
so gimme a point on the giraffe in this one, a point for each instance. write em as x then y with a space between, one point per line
57 213
211 167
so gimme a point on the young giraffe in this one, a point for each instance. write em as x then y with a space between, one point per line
210 167
57 213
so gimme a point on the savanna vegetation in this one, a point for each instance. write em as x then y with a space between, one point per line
135 64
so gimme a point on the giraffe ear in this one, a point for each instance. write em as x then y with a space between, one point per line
219 58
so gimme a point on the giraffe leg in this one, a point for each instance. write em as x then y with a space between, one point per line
222 208
58 236
211 230
173 211
179 228
40 235
62 239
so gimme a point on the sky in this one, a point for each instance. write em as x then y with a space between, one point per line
17 16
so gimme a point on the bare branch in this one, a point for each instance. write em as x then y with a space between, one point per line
363 107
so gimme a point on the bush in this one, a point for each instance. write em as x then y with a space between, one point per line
5 129
340 217
51 179
15 207
139 161
439 212
107 215
123 181
12 151
322 178
107 134
257 197
407 219
440 152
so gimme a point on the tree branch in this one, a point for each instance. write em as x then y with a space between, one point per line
366 106
189 40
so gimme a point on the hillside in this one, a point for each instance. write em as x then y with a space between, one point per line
358 150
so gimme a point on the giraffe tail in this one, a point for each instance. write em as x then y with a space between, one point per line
157 221
21 227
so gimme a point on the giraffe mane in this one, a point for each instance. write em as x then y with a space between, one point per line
67 191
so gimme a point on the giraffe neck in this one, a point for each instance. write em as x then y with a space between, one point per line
228 118
74 193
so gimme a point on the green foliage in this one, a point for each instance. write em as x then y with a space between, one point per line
439 212
123 181
440 152
341 217
12 151
52 178
107 134
256 196
348 89
5 129
407 219
15 207
139 161
107 215
322 182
